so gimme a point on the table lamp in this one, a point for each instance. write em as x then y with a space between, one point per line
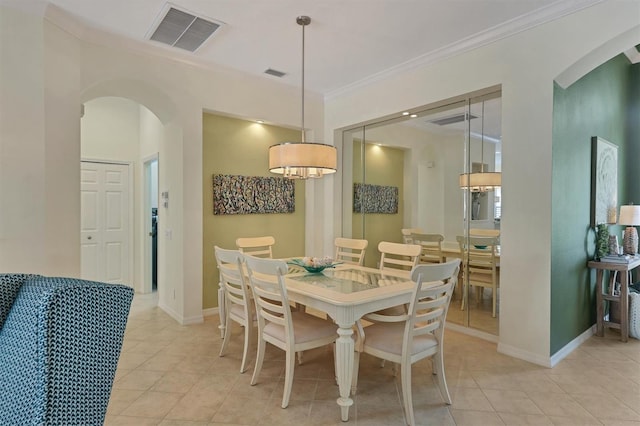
630 216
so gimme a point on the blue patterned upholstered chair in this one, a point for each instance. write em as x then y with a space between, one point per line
60 340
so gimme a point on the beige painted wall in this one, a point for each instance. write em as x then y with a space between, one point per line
239 147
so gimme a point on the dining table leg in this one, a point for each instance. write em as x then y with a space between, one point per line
344 365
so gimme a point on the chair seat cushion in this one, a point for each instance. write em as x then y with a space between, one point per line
387 337
306 328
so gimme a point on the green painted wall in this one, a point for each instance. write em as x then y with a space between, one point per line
633 128
239 147
383 166
596 105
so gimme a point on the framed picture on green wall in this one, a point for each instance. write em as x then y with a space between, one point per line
604 181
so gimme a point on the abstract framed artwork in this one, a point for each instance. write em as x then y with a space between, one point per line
604 181
235 194
375 198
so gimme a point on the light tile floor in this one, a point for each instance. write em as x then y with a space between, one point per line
171 375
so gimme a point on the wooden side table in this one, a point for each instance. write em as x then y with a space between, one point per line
623 270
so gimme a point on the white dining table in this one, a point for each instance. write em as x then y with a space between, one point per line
346 294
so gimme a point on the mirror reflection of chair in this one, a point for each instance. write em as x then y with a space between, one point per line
431 247
350 250
406 339
482 232
291 331
398 256
256 246
479 267
239 306
406 234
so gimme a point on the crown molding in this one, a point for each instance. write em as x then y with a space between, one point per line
507 29
100 36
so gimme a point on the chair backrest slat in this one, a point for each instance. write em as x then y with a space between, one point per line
406 234
256 246
232 278
432 295
479 254
350 250
481 232
431 247
398 256
266 278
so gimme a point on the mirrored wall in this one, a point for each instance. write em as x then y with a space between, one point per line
403 172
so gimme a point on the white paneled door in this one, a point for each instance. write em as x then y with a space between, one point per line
104 225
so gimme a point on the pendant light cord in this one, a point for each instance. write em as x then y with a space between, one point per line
482 141
303 23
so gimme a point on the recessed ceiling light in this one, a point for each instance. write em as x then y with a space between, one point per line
405 113
414 115
260 121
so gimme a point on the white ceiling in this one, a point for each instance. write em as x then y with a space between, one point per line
348 42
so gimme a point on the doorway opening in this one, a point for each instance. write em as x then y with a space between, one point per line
119 130
151 224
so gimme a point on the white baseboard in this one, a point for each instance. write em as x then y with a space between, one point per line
472 332
572 345
553 360
210 312
534 358
196 319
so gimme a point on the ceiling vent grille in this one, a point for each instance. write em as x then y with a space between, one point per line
274 73
183 30
452 119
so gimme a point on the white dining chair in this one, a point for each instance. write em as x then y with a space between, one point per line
350 250
239 305
291 331
479 267
416 335
431 247
256 246
398 256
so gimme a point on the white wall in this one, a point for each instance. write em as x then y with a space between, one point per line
39 127
525 65
110 130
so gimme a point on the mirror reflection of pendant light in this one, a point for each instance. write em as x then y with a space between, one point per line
481 181
302 160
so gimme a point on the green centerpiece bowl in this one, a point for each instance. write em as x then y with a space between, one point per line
312 268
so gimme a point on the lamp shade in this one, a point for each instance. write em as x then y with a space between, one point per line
629 215
302 160
480 182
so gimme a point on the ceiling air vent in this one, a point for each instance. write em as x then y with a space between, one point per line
452 119
184 30
275 73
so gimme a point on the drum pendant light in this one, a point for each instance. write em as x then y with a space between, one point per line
302 160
